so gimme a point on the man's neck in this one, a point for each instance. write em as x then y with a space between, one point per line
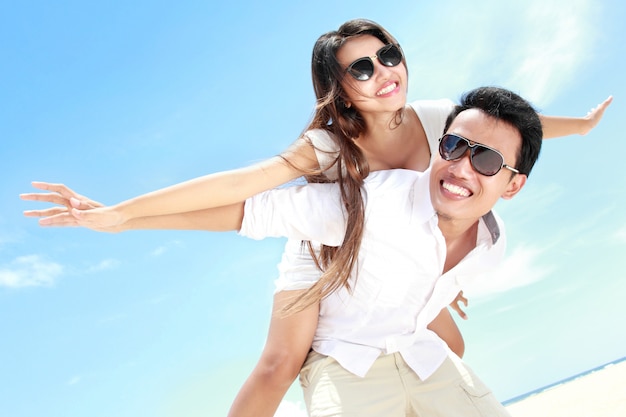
460 239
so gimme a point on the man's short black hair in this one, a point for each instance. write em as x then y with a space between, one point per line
509 107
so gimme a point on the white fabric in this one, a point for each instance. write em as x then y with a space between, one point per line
297 270
400 288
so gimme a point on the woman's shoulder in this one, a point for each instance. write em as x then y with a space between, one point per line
322 140
438 105
432 115
326 150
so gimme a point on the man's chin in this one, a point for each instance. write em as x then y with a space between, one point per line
442 215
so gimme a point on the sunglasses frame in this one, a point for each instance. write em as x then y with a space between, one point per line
370 59
472 146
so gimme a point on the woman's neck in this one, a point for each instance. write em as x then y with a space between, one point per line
382 126
395 140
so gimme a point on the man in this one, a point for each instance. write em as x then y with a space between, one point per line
426 236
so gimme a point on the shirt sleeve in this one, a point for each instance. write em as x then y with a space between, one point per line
306 212
297 269
326 151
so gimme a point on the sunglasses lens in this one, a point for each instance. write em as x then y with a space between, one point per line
390 55
452 147
362 69
486 161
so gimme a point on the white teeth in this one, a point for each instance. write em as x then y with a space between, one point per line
387 89
455 189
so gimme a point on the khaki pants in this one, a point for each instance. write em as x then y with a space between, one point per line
392 389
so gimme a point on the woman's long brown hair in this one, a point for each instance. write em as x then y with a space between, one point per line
344 124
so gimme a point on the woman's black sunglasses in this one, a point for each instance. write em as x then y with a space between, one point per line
485 160
363 68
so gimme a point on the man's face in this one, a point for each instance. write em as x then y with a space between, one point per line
457 191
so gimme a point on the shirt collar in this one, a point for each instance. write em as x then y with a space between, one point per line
491 224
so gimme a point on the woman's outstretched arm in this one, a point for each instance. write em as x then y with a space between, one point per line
214 190
557 126
217 219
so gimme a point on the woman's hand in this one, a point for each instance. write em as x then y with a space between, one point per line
72 209
559 126
456 307
594 116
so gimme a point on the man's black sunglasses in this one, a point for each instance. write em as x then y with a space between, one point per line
485 160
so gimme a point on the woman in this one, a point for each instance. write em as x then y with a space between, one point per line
362 124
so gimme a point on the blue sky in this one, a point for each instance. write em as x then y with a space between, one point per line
121 98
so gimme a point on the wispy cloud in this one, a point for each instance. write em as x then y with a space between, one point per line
522 267
620 234
532 203
29 271
534 47
74 380
159 251
164 248
104 265
585 233
550 54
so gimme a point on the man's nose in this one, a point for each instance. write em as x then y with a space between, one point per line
462 167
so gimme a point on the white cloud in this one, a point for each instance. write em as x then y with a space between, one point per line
532 203
551 53
522 267
584 232
159 251
29 271
74 380
536 48
290 409
164 248
104 265
620 234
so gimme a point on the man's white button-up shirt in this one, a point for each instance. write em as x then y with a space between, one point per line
398 285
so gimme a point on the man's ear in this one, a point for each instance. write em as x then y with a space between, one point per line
514 186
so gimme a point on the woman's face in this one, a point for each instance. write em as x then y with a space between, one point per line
385 90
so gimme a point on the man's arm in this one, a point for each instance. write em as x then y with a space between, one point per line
308 212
